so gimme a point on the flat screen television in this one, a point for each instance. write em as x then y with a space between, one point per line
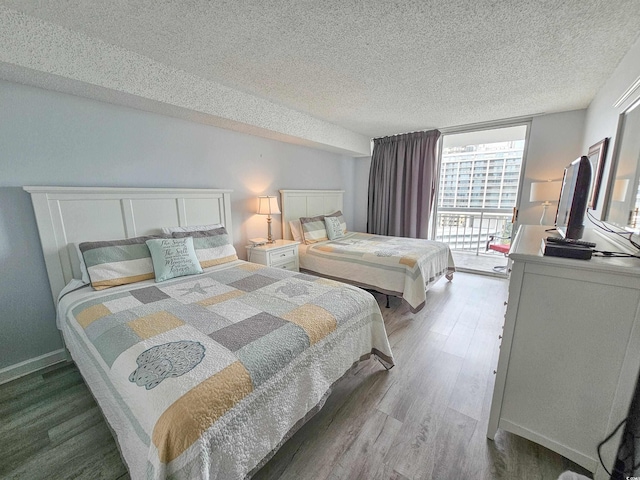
574 196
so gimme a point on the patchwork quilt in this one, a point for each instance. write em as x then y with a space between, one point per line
405 267
204 376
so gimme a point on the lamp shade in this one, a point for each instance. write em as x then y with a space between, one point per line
268 206
545 191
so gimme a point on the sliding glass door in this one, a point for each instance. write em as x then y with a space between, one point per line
478 191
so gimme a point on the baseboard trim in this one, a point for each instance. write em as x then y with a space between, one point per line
32 365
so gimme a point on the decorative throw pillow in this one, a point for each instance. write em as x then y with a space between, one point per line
334 229
190 228
173 257
212 246
340 217
117 262
313 229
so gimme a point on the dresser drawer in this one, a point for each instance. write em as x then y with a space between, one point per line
281 256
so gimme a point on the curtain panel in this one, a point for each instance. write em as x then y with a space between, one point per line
402 184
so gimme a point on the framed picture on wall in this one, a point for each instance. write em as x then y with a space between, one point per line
597 155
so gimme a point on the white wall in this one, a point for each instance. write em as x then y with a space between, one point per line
602 117
602 121
49 138
555 140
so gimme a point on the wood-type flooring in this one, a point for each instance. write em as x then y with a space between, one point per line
424 419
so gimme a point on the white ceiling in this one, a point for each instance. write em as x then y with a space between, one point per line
368 68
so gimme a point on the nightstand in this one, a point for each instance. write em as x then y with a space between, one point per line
280 254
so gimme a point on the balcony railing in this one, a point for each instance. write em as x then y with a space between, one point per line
469 229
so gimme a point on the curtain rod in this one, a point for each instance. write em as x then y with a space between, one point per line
405 133
472 126
491 123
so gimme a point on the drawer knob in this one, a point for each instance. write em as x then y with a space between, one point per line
506 303
494 372
499 336
283 254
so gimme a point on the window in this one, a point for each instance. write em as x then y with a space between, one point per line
493 168
478 187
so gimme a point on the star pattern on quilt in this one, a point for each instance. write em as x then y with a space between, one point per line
386 253
293 289
197 288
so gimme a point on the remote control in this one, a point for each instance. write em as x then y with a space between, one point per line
570 241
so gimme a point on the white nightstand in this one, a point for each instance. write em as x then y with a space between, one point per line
280 254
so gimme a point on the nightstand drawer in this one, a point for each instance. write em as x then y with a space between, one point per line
281 256
290 265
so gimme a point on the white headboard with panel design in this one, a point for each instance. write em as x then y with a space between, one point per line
307 203
69 215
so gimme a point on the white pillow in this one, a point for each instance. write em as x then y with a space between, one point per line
83 266
296 230
190 228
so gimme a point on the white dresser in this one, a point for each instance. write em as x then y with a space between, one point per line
570 352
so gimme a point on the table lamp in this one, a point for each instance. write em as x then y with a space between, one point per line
545 192
268 206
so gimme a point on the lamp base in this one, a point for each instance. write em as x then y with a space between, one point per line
545 205
269 237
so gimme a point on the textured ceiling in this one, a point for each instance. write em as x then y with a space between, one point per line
374 68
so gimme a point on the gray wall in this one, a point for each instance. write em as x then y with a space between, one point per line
49 138
361 192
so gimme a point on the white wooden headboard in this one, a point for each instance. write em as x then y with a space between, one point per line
69 215
307 203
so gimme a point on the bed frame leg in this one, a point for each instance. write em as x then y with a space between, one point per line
384 364
388 305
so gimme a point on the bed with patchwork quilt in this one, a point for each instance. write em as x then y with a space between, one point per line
403 267
205 376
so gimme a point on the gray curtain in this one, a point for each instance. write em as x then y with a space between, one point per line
402 183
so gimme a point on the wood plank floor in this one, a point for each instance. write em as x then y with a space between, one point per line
424 419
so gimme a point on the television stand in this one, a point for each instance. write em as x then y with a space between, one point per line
570 352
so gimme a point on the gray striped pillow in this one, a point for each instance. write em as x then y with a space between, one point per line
117 262
190 228
212 246
313 229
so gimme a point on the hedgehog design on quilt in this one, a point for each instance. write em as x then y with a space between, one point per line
167 360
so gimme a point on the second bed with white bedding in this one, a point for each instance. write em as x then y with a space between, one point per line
404 267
